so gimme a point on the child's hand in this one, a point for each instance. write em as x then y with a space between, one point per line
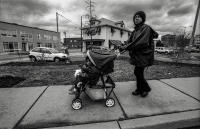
77 72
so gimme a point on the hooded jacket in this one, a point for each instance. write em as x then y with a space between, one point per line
141 46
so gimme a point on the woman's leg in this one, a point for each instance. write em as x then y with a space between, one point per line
142 85
145 85
137 72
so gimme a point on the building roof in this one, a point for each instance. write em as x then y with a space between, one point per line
107 22
27 26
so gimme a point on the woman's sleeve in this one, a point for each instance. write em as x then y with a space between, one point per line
142 40
130 38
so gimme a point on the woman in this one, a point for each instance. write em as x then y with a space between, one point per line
141 50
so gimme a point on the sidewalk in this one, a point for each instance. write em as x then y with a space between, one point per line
172 103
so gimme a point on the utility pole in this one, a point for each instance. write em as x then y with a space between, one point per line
194 26
81 35
90 5
57 21
1 10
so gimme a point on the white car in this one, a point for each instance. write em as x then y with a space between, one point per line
163 50
49 54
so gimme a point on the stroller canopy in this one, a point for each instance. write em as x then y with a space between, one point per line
102 59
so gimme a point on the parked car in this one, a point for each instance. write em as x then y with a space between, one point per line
164 50
192 49
48 54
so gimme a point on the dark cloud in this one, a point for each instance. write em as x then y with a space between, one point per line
163 15
25 7
125 10
158 12
183 10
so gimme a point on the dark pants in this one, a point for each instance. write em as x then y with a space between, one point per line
142 85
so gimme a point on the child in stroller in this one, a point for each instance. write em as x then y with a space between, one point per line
99 63
86 72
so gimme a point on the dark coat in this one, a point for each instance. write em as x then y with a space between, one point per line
141 50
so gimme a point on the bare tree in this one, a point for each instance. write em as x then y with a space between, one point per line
90 6
182 40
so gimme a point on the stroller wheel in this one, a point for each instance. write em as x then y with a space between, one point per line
110 102
77 104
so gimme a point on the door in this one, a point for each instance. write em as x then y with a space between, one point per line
46 54
24 46
11 47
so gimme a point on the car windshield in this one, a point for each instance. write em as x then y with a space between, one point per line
53 50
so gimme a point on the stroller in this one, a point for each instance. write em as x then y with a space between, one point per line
103 60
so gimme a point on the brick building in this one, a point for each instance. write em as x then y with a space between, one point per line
24 38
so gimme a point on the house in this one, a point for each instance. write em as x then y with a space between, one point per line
14 37
72 42
105 33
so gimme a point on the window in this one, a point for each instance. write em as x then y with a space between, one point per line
112 31
43 50
39 36
30 46
39 44
99 30
5 47
8 33
47 37
121 32
48 45
10 46
27 37
36 50
55 38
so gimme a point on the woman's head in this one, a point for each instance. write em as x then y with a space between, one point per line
139 18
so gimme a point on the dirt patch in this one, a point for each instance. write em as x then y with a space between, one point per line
40 63
8 81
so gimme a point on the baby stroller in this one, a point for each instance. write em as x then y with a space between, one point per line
103 60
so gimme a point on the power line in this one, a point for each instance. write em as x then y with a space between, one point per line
68 20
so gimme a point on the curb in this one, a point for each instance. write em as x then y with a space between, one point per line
169 121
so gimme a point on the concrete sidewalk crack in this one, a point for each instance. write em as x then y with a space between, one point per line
179 90
20 120
119 125
124 113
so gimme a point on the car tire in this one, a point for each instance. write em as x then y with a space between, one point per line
33 59
56 59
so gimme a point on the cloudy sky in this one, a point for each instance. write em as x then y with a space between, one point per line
165 16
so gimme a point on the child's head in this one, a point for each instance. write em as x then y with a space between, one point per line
88 62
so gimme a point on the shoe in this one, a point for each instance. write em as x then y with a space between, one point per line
135 93
144 94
